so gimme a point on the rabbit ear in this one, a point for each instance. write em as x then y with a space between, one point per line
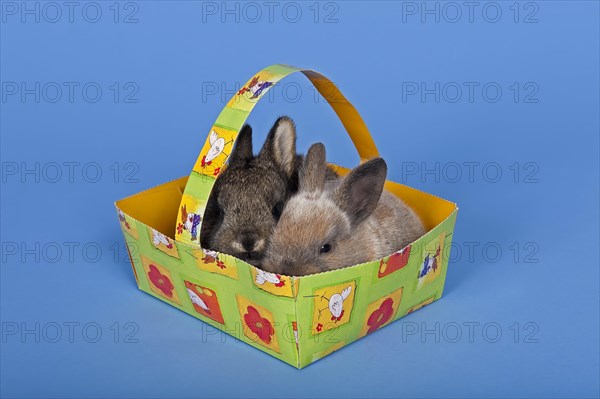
359 193
280 146
242 151
312 174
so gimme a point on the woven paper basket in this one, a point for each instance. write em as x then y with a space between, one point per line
290 318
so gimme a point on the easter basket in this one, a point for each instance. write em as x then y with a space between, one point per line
295 319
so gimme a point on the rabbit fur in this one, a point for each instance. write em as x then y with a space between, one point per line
332 224
249 195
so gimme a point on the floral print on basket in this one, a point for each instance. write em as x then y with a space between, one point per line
381 312
160 280
258 324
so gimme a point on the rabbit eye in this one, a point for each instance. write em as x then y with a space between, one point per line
277 209
325 248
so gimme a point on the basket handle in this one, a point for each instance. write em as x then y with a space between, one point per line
224 132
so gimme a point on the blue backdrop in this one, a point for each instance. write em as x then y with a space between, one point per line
493 105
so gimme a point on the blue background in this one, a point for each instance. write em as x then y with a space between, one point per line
533 272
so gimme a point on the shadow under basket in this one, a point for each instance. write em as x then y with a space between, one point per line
295 319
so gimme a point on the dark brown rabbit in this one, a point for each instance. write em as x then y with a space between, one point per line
249 195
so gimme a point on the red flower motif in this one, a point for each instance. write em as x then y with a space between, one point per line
281 283
160 281
221 264
180 228
259 325
319 327
217 171
204 163
381 316
336 319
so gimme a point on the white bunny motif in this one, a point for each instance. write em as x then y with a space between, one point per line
159 238
217 145
262 277
197 300
336 302
208 252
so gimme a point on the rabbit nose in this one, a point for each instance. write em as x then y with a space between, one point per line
248 241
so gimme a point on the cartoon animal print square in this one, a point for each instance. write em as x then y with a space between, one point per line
332 306
215 151
190 218
420 305
128 224
394 262
163 243
160 280
431 264
205 301
381 312
215 262
258 324
273 283
251 92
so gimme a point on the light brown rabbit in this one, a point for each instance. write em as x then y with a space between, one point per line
327 226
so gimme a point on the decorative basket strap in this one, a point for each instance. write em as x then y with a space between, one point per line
223 134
